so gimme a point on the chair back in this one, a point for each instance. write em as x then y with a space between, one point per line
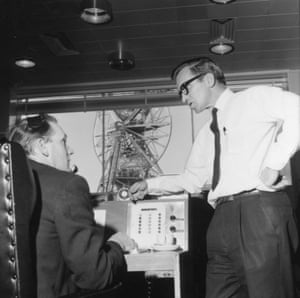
17 201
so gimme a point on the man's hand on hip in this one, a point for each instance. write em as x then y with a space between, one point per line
272 178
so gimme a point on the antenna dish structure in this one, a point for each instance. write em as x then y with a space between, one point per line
129 144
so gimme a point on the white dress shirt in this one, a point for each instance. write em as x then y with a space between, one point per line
259 128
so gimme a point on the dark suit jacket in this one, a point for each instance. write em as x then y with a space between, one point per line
71 250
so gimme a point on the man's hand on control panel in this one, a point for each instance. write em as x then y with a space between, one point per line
138 190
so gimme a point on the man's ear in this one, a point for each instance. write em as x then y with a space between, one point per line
210 80
41 147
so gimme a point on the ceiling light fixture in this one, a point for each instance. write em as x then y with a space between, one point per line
222 1
96 11
25 62
59 44
121 60
222 36
22 53
25 56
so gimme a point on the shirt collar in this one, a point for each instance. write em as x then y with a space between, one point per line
223 99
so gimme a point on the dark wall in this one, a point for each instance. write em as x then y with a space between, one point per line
7 20
4 106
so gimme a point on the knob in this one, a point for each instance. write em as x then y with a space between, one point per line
123 194
172 229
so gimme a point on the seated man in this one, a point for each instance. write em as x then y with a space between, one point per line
71 251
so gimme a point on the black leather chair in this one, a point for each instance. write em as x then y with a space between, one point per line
17 228
17 195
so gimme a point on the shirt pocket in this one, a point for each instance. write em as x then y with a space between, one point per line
235 139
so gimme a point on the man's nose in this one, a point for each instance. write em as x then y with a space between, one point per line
184 98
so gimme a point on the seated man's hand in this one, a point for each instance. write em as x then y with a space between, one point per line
138 190
127 244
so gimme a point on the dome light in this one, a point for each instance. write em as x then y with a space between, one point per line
222 36
96 11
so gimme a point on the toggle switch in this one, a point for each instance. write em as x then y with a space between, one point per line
173 217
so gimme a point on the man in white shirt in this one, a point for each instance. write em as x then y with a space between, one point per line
252 236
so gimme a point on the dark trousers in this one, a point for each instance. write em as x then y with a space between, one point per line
250 244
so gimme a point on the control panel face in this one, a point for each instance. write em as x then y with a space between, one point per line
158 222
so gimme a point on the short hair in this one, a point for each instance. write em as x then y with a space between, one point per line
29 129
201 65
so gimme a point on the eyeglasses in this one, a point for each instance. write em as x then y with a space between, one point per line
183 89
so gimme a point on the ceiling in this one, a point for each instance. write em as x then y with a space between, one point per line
159 33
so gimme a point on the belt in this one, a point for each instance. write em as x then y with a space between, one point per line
230 198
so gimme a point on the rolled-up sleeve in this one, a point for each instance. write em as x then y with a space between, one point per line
283 107
197 171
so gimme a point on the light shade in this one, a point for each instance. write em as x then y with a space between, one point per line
221 48
222 36
25 62
120 59
24 57
59 44
221 1
96 11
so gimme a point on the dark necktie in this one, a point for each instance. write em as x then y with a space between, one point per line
214 127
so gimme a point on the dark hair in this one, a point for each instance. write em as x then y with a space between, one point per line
28 129
200 65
